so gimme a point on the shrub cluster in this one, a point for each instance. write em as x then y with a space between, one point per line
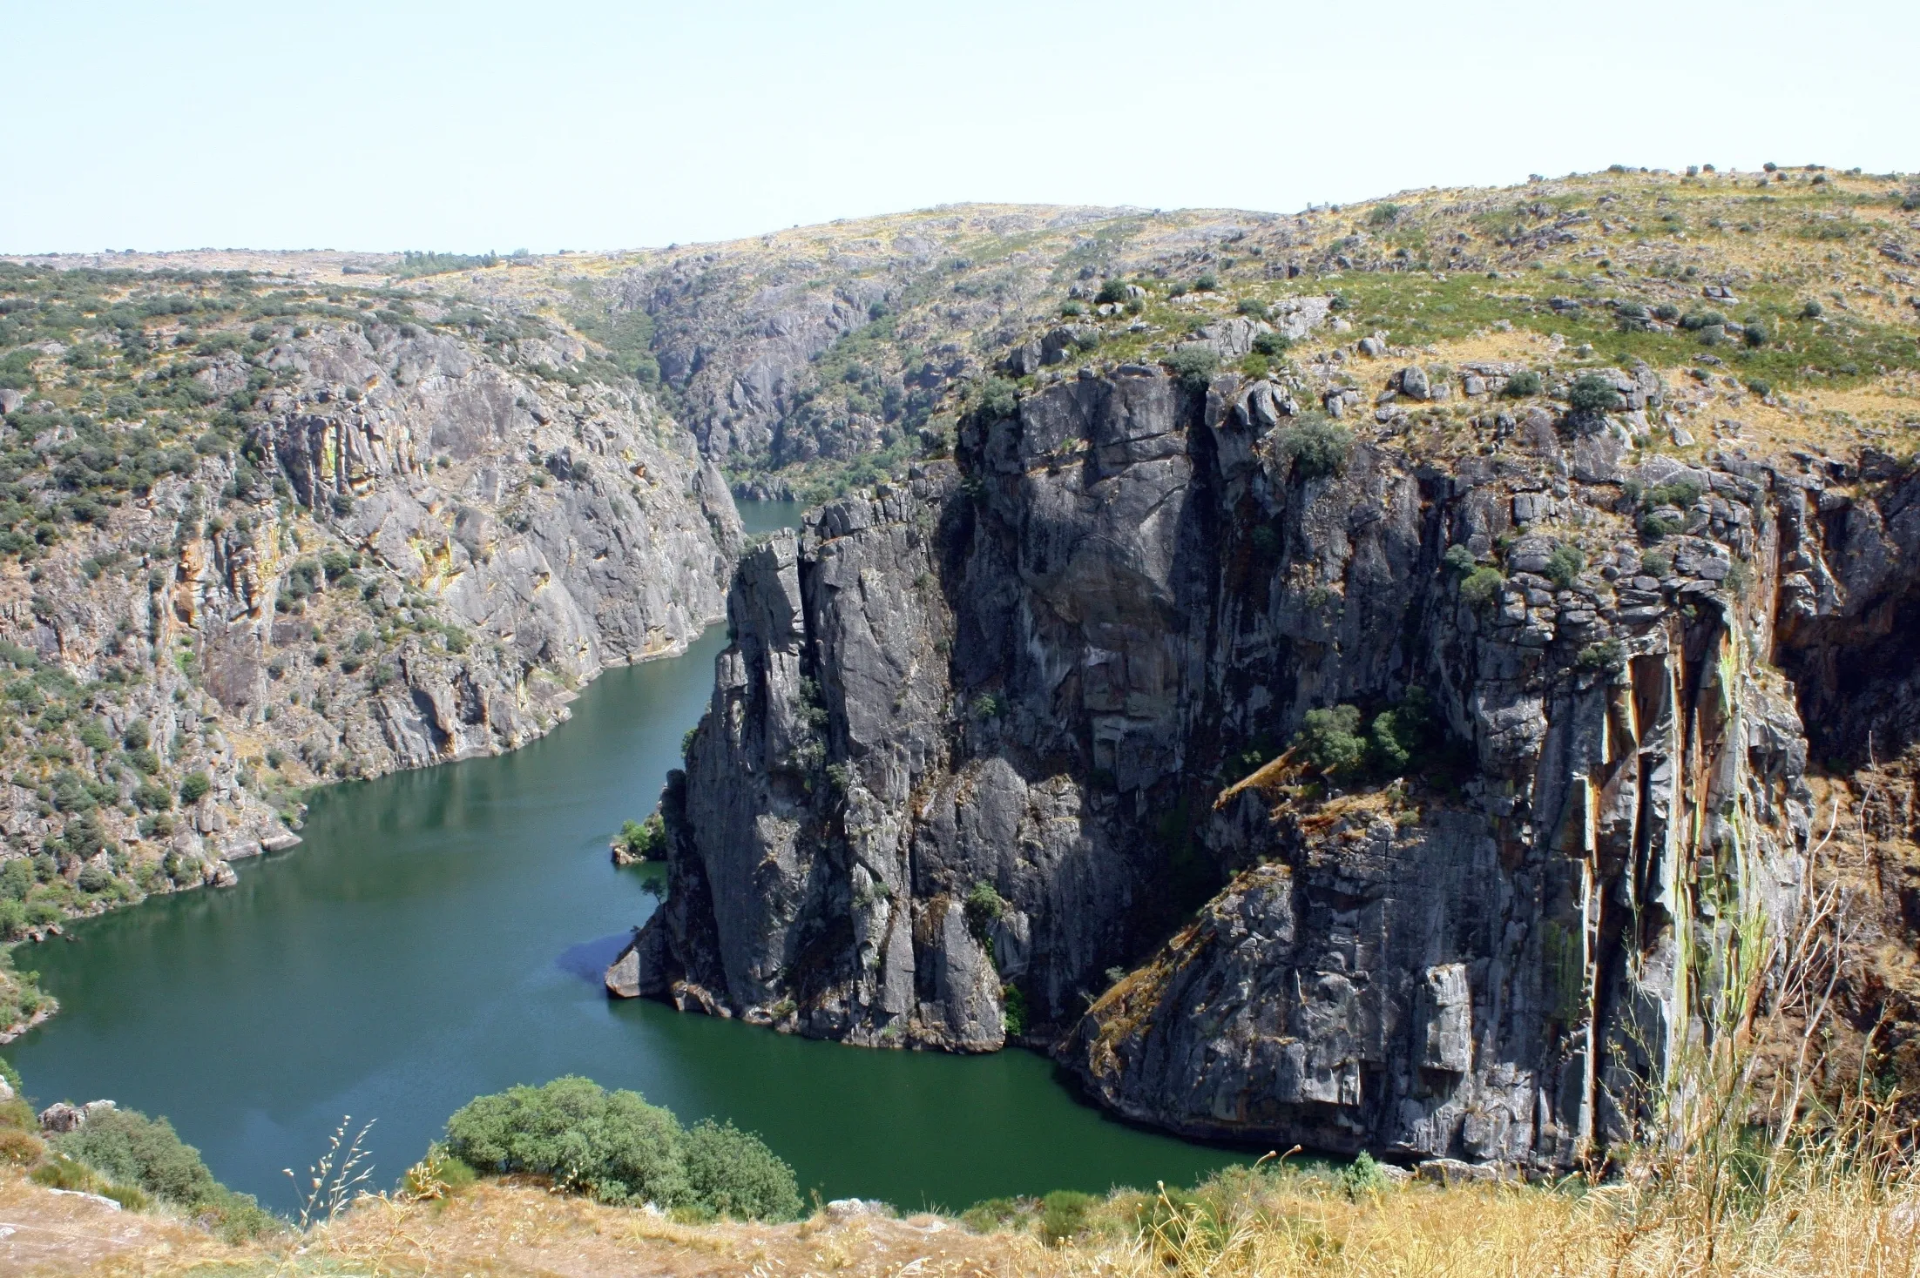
1333 740
1316 446
1194 365
644 840
1592 393
130 1151
618 1149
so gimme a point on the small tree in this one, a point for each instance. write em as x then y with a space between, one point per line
1330 740
1316 446
1592 393
999 398
1522 384
1194 365
1114 290
733 1173
1564 564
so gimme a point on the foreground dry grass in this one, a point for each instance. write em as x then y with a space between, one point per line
1254 1225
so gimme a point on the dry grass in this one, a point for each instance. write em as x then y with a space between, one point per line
1821 1217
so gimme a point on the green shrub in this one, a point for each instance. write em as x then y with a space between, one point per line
1760 387
1112 291
1481 585
1013 1010
1694 321
1522 384
1383 214
1812 310
1206 282
194 787
1608 654
1072 310
646 839
984 906
1362 1178
1063 1214
1194 365
1316 446
733 1173
1564 564
134 1152
1272 345
1666 311
619 1149
125 1145
1755 334
1592 393
1330 740
1459 558
1681 492
999 398
992 1215
1399 734
1251 307
610 1145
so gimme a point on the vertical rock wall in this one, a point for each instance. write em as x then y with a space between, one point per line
966 766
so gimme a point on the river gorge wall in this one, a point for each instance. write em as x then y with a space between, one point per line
1002 753
392 544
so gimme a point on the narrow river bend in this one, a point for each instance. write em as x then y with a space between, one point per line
441 934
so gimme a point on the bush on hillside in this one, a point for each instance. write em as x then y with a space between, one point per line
127 1146
1112 291
1592 393
1564 564
1272 345
999 398
131 1151
1522 384
733 1173
1316 446
1194 365
1481 585
611 1145
618 1149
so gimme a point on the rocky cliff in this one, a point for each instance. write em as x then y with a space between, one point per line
979 743
258 540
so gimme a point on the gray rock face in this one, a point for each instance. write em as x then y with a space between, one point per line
966 756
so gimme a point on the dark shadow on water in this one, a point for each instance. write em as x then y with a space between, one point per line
589 960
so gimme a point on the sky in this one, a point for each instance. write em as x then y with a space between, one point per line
475 126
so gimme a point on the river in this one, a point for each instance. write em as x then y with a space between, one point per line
442 933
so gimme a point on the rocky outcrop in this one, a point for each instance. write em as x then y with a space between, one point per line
968 757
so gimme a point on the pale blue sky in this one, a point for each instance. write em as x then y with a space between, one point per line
344 124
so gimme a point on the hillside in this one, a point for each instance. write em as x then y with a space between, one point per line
260 535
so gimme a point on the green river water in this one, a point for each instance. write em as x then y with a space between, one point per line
442 933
